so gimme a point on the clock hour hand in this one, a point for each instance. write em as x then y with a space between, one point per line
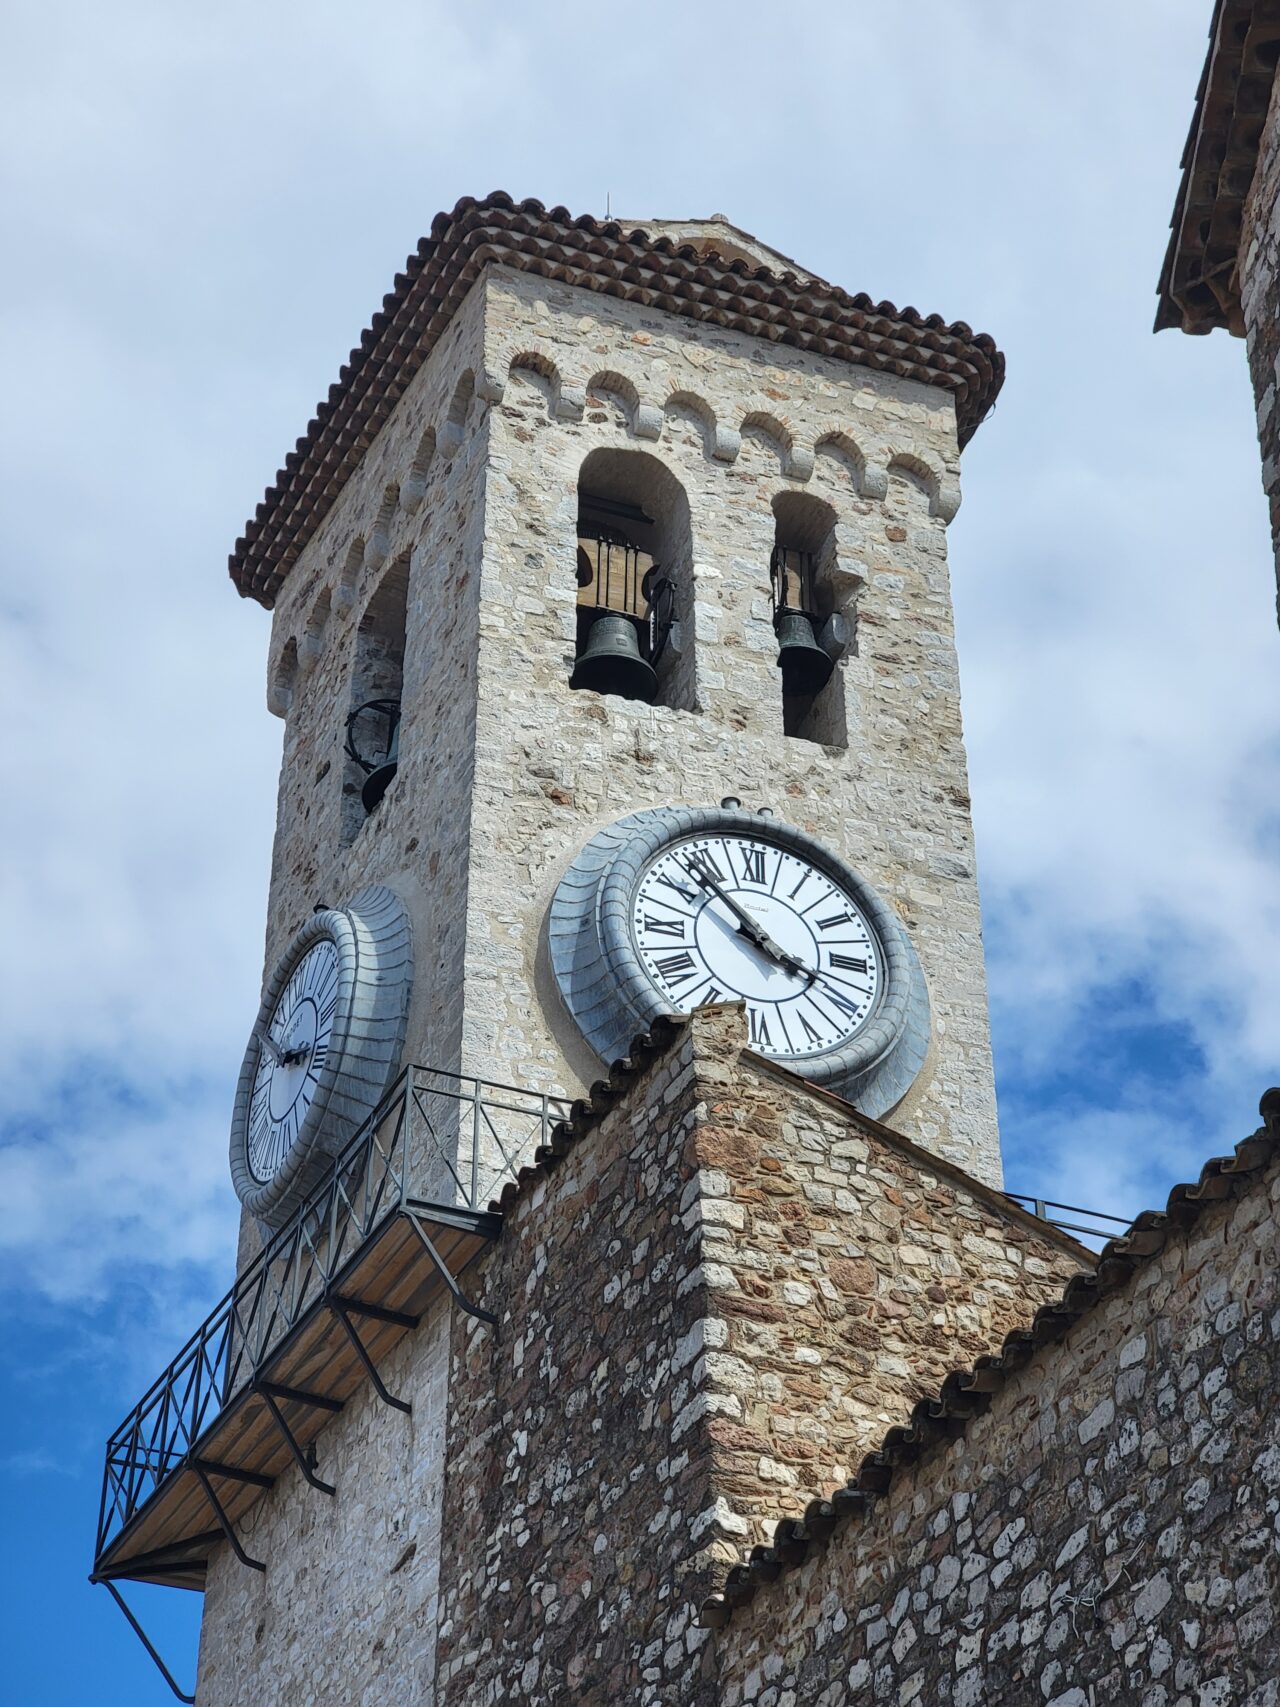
269 1043
749 927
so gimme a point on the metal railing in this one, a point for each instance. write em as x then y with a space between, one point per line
437 1137
1087 1223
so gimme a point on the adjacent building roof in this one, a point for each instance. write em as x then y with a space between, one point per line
1200 281
704 270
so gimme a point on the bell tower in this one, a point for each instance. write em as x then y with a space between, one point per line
617 519
612 640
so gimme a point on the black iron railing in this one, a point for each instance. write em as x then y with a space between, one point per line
1087 1224
437 1138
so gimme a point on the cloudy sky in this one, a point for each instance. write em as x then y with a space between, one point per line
203 206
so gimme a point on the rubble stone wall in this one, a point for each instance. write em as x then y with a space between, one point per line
849 1272
579 1520
1106 1532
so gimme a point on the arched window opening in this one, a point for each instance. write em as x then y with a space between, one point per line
635 580
810 627
372 742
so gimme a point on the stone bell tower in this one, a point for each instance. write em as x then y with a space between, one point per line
532 380
612 638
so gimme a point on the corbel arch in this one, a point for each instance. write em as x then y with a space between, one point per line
795 462
283 684
413 488
379 543
464 392
930 476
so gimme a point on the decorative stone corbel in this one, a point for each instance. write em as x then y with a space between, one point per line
726 443
489 388
648 422
570 402
945 500
279 698
875 481
799 463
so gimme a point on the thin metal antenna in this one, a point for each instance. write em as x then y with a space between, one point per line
608 205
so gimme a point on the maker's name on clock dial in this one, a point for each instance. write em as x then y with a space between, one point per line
727 917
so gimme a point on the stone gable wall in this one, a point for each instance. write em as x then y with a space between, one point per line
1106 1532
704 1312
1260 300
848 1273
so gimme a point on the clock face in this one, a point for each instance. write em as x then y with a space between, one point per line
324 1048
678 907
294 1045
736 916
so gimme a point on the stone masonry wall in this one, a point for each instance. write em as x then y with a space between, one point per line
849 1272
345 1612
1260 301
580 1524
715 1301
737 422
1106 1532
505 772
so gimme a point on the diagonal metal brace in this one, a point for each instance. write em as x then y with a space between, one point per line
224 1522
299 1456
446 1274
339 1306
142 1636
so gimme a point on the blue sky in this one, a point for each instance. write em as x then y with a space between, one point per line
203 208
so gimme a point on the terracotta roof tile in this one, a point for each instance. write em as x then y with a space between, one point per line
694 282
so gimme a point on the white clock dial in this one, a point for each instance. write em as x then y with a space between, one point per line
294 1045
723 917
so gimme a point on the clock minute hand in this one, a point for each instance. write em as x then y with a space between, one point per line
749 927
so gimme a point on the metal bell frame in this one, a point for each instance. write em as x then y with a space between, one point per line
379 772
806 667
628 620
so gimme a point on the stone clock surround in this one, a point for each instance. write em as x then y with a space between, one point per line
505 772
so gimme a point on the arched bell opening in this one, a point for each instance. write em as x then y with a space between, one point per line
634 560
371 739
812 631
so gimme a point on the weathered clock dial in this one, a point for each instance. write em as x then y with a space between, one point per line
323 1051
678 907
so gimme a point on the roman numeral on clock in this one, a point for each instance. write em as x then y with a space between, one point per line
700 859
752 865
850 962
663 927
675 968
834 920
759 1028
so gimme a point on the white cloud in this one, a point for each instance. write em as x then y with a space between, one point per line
196 241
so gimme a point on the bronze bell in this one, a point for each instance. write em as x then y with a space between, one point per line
379 778
806 668
611 661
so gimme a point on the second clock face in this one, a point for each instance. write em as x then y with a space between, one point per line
294 1046
727 917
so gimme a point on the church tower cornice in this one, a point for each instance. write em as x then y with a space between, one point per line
703 273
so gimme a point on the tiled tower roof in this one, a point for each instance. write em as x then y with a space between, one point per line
703 270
